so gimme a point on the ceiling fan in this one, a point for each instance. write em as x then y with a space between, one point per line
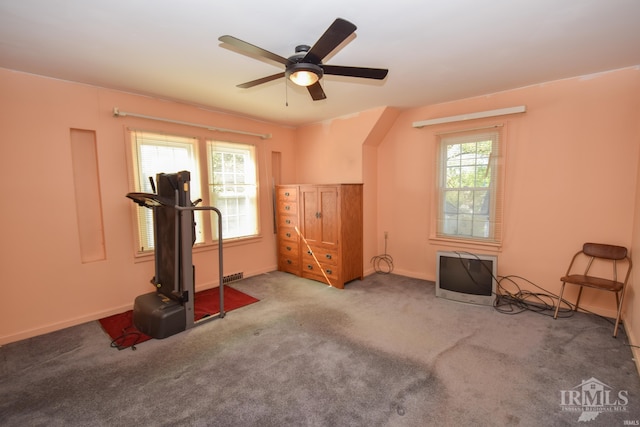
305 67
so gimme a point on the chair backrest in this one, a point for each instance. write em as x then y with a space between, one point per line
600 250
606 253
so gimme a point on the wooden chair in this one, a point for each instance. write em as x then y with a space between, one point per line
597 254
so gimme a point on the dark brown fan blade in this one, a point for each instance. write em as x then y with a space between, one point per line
335 34
366 73
316 92
253 50
260 81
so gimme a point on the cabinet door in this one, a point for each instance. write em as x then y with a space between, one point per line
328 218
309 210
320 214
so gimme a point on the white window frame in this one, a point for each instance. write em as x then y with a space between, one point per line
233 188
473 212
196 148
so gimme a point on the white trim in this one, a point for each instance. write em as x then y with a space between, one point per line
471 116
118 113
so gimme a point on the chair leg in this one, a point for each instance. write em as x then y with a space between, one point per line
619 315
555 316
578 299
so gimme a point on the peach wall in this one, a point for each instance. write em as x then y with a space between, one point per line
44 283
631 316
331 151
571 176
344 150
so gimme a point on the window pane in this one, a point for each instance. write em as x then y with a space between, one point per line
464 225
467 176
159 153
482 176
481 202
480 227
467 183
453 177
233 187
453 155
451 202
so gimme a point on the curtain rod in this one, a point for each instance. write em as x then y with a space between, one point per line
118 113
499 125
471 116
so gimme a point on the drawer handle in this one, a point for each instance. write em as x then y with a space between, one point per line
288 221
328 256
286 194
288 248
310 253
329 272
310 267
287 208
289 261
288 234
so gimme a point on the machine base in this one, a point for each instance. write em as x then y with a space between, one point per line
158 316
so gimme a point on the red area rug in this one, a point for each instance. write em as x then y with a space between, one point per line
124 334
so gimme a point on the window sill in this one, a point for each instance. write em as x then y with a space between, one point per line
227 243
466 244
205 247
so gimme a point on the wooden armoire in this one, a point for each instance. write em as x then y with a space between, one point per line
319 232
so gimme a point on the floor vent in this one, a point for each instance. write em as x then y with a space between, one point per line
232 278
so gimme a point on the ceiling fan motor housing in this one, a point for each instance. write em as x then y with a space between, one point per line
302 48
297 63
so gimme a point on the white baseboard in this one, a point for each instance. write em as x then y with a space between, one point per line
30 333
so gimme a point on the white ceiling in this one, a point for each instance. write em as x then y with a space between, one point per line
435 50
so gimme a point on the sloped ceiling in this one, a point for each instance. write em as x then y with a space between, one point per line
436 51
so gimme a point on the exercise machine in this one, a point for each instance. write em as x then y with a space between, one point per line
170 309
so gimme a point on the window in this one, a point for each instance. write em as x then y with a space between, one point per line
231 181
233 187
469 186
161 153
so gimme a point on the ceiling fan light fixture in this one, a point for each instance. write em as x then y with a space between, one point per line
305 67
304 74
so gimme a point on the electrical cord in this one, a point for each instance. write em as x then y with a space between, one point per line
383 264
507 302
523 300
514 303
120 341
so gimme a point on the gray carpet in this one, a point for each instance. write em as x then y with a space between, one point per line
382 352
